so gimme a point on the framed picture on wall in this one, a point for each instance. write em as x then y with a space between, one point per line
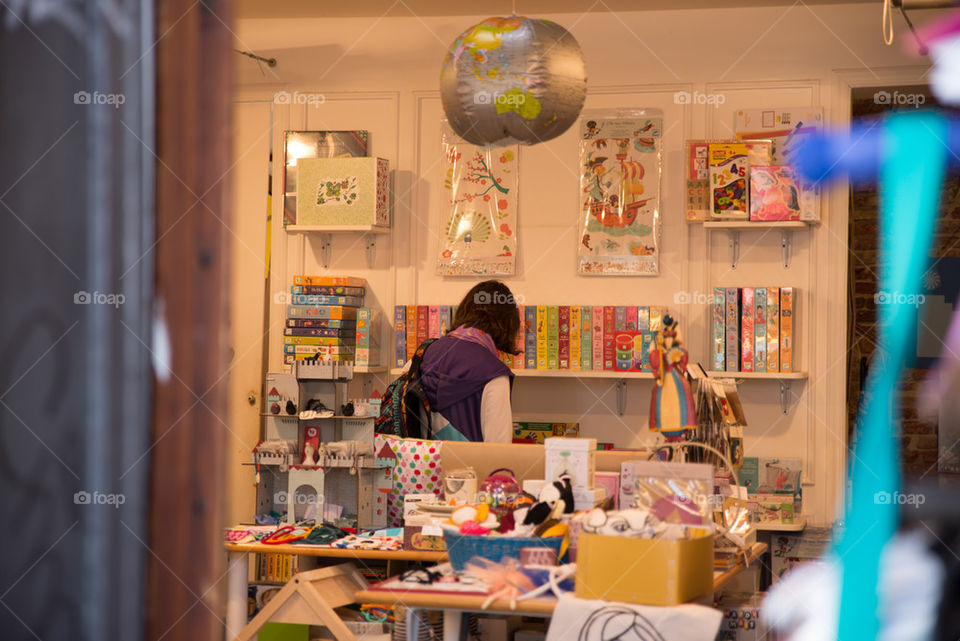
315 144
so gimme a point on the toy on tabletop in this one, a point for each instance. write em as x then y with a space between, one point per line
671 406
499 491
555 500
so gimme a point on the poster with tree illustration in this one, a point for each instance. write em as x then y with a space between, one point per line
620 165
478 235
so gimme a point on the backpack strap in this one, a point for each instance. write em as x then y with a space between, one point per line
418 357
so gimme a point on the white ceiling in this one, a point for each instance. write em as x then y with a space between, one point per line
400 8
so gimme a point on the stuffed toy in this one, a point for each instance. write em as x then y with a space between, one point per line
554 500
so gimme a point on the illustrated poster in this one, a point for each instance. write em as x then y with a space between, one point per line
620 165
478 234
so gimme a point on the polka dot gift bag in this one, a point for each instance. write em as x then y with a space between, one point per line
416 470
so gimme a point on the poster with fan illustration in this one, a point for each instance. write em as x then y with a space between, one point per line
478 234
619 206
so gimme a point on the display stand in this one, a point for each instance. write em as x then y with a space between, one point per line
309 598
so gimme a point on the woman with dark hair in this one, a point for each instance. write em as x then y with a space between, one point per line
467 384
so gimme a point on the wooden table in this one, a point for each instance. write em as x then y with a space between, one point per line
238 569
454 605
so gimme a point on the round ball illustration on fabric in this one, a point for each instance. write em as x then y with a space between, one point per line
513 80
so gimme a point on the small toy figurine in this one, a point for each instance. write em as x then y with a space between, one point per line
671 406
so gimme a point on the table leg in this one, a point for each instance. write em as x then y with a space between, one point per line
237 576
413 624
454 623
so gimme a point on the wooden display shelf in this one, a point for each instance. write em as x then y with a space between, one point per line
746 224
799 524
565 373
773 376
337 553
337 229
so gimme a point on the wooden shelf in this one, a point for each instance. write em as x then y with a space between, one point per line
798 525
565 373
337 229
746 224
773 376
331 552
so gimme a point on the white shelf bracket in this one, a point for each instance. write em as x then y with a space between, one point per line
621 396
371 242
734 244
785 396
786 246
325 244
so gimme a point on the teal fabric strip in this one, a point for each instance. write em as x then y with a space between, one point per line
448 433
911 173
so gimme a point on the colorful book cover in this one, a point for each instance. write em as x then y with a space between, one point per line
598 338
786 329
697 179
316 299
732 327
289 359
774 193
411 331
728 181
530 336
586 337
746 329
445 319
326 323
719 362
518 360
646 345
327 290
323 350
542 333
320 331
773 329
563 337
368 337
656 319
433 321
330 281
574 337
631 318
423 323
760 329
553 337
620 318
643 318
321 311
334 341
609 327
400 335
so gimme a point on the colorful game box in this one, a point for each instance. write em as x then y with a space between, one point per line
518 360
647 338
656 319
774 193
598 338
746 329
728 181
563 337
773 329
786 329
575 332
719 362
553 337
696 175
542 332
400 335
609 354
411 331
530 336
643 319
732 327
586 337
760 329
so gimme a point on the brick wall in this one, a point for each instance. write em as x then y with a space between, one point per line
919 438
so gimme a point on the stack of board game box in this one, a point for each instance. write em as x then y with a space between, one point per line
323 318
752 329
551 337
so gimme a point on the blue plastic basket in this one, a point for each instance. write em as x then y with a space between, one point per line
463 547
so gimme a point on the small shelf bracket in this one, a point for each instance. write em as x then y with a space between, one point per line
785 396
325 244
621 396
371 243
733 240
786 246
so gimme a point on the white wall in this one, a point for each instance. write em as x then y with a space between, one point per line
382 75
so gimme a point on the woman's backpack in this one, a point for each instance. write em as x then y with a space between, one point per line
404 408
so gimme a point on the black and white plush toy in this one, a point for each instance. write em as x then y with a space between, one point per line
554 500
